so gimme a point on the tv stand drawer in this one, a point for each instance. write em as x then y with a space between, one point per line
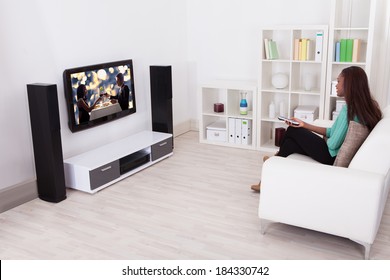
104 174
162 148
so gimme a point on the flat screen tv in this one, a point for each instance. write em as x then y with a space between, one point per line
99 93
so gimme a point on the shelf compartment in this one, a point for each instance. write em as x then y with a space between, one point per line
210 96
306 77
283 42
234 98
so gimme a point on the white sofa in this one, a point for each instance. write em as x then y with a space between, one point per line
347 202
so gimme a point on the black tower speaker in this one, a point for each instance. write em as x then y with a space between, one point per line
45 127
161 97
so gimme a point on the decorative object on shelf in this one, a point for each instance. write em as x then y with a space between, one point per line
307 113
219 107
282 109
308 81
243 103
271 110
216 131
279 135
280 80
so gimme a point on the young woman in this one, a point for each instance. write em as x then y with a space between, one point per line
352 84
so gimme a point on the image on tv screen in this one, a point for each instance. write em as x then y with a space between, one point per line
104 91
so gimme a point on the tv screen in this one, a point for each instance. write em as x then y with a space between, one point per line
99 93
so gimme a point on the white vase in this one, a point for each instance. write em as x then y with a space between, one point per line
271 110
279 80
309 81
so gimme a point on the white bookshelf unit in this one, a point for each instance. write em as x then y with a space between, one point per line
101 167
214 126
350 19
299 71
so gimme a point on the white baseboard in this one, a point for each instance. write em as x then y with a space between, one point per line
16 195
184 127
181 128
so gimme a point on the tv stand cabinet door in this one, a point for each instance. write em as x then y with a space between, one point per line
162 148
104 174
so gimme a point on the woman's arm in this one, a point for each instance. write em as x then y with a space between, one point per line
94 104
82 103
311 127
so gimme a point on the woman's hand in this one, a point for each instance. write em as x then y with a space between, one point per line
300 122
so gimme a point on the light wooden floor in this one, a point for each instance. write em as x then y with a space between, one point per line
195 205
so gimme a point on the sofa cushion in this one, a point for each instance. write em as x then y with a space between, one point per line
355 137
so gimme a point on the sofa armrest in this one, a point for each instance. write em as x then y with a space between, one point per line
335 200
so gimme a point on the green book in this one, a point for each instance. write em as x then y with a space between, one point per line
349 51
273 50
343 50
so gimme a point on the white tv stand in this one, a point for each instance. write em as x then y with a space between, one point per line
101 167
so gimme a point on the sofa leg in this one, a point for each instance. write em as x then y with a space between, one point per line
264 225
367 248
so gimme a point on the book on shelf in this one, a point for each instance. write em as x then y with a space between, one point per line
296 49
273 50
302 49
337 52
356 50
343 50
308 51
348 52
266 48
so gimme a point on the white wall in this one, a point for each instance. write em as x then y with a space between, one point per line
223 36
42 38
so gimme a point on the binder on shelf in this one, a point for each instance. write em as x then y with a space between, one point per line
356 50
273 50
349 50
237 130
232 130
337 52
246 132
319 42
266 48
343 50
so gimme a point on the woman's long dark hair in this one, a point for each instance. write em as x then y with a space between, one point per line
80 91
358 97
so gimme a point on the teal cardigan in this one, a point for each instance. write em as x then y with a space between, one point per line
336 134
